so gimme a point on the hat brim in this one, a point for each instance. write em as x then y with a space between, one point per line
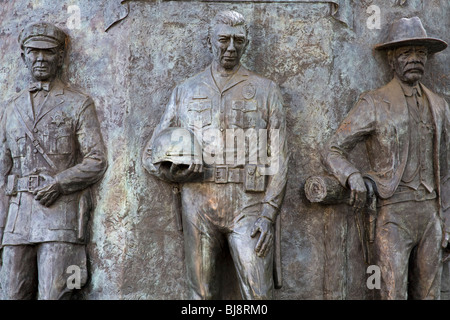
434 45
41 44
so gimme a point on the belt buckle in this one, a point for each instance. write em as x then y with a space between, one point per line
33 182
221 174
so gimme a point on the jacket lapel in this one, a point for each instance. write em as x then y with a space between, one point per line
24 107
434 105
394 96
54 99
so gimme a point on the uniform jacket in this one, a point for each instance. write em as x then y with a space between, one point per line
69 132
381 119
247 101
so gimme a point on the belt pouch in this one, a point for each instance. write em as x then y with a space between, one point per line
11 185
254 181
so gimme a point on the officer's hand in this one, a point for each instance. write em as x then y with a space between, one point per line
181 174
47 194
358 195
151 168
147 163
264 227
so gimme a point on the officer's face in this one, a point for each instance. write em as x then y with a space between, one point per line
42 63
228 44
409 63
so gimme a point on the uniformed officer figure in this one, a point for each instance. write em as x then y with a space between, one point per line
232 204
406 129
51 151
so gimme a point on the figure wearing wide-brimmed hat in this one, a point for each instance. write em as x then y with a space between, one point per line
406 130
410 31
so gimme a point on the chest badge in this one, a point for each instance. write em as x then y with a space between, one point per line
248 91
58 118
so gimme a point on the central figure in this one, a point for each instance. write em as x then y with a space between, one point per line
227 203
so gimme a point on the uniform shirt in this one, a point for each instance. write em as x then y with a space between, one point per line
66 125
247 101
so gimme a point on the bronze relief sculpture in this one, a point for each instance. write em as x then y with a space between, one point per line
406 131
225 202
51 152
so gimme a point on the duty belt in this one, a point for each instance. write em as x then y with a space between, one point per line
24 184
406 194
223 174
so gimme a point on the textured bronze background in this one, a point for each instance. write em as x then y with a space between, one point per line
321 65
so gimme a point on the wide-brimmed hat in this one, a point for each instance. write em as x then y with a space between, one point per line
406 32
42 35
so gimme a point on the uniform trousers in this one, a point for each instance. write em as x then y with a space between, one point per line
215 215
41 270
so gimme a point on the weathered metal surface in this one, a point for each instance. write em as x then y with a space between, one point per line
51 153
321 66
405 128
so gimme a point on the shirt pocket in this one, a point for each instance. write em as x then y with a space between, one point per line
199 113
244 113
64 143
58 140
18 147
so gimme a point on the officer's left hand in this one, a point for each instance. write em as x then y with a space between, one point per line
179 174
48 194
264 227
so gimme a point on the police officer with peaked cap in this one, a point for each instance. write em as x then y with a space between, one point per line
51 152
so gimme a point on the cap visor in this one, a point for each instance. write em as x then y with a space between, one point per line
41 44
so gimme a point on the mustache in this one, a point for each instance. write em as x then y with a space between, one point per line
416 65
